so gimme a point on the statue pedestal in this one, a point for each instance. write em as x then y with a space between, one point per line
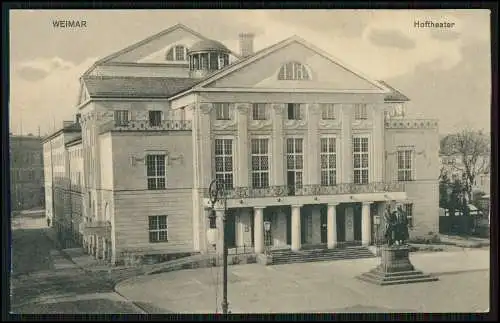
395 268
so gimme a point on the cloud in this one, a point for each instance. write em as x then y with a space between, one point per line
444 34
391 38
48 100
40 68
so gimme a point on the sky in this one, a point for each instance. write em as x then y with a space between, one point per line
445 72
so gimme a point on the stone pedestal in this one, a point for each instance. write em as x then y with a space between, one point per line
395 268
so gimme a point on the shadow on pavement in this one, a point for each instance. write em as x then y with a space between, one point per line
93 306
152 309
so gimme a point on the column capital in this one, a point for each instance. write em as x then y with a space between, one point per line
333 204
367 203
297 205
243 107
259 207
206 107
278 107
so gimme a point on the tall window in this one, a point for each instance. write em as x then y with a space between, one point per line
222 111
224 162
259 111
405 161
293 71
328 111
328 158
408 208
121 117
155 118
155 165
294 111
360 112
177 53
294 162
260 163
158 231
360 154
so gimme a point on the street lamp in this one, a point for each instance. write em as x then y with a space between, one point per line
267 228
216 193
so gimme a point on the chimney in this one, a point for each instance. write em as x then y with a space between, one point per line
246 44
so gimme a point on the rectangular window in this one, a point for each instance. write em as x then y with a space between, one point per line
180 53
360 159
158 228
260 163
328 111
294 162
155 165
224 162
259 111
360 112
121 118
408 208
222 111
328 156
155 118
405 162
294 111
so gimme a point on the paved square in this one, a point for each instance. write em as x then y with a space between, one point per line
463 286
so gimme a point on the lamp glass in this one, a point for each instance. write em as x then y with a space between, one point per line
267 225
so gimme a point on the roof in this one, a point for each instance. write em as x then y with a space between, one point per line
74 127
208 45
74 141
136 87
395 95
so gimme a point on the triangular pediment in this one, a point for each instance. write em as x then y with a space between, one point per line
326 73
154 49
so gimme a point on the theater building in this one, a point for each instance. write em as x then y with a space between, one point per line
297 138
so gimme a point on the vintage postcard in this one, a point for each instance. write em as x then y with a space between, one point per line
250 161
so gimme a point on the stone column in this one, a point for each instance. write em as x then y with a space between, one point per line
296 230
312 149
278 146
331 223
219 213
258 229
366 230
378 142
242 174
346 137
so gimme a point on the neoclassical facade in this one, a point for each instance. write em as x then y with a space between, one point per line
298 141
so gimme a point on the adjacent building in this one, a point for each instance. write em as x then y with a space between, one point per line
26 172
294 136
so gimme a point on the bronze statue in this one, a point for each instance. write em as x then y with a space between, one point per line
395 226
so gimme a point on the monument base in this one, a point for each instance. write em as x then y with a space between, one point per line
395 268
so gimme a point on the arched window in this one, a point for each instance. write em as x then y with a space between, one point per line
177 53
293 71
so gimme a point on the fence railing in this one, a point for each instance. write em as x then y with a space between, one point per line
311 190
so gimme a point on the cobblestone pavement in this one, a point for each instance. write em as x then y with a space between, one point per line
44 281
463 286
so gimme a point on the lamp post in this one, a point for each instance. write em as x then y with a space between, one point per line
216 193
267 228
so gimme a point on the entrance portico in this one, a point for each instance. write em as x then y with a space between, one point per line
297 226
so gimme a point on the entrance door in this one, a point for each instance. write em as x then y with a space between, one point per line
349 224
341 209
324 227
288 217
357 222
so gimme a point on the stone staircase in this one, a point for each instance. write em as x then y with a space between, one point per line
375 276
280 257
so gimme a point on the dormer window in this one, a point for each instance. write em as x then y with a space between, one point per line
177 53
293 71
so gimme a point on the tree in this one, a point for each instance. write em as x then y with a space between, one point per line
473 151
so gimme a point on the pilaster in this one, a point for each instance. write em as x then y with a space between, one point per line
312 149
347 161
331 224
278 176
296 230
366 231
242 176
259 229
378 142
205 143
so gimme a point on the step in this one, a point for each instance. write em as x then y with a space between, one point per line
394 278
406 280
